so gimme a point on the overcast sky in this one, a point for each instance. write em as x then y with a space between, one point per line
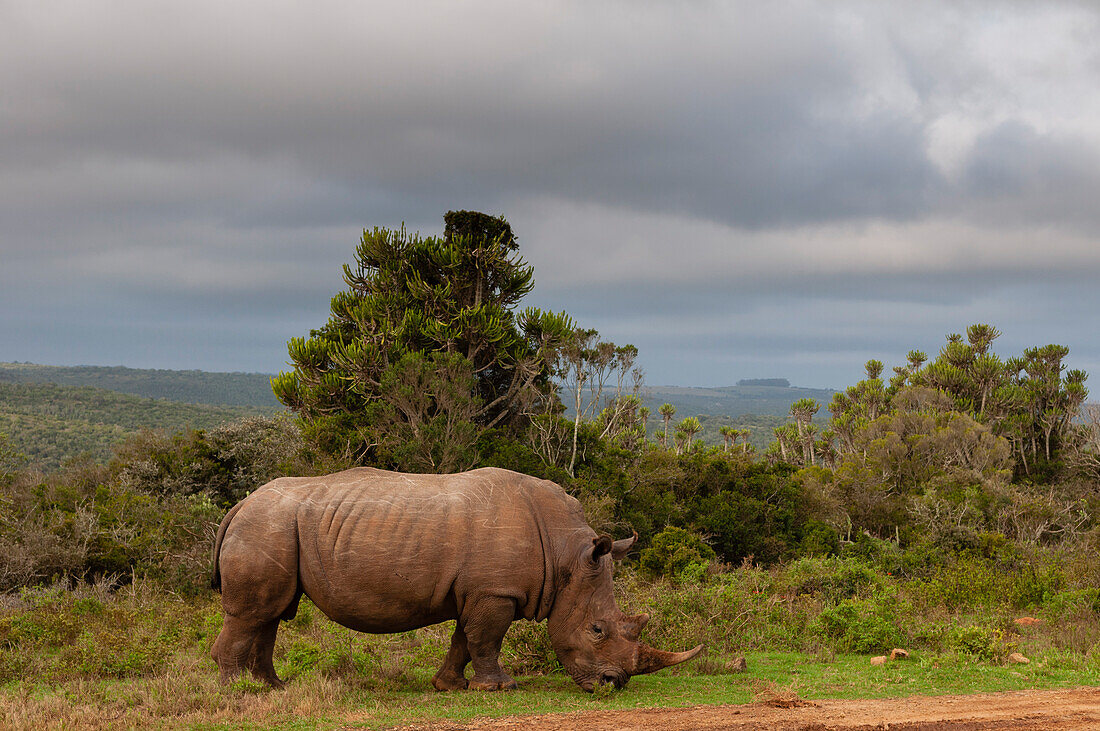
741 189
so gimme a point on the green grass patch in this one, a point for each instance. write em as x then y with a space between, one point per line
140 657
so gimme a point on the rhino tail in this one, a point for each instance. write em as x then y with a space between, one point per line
216 577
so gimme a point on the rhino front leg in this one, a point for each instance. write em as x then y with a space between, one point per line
451 675
485 624
260 659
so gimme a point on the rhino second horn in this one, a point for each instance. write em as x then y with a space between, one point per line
650 660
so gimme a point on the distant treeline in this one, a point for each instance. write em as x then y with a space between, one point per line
49 423
193 387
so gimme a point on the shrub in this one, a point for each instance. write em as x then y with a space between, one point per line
674 551
79 525
862 625
831 579
981 641
1073 604
225 463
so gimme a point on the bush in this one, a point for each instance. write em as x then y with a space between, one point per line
863 625
79 525
981 641
225 463
831 579
675 551
1074 604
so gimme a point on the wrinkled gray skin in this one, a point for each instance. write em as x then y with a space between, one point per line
383 552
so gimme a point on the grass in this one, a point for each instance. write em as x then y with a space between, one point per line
139 658
188 696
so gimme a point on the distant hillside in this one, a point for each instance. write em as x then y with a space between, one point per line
92 408
759 405
733 401
192 387
50 423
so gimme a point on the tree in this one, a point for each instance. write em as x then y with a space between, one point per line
1026 399
589 366
428 412
1085 454
456 295
803 411
667 411
689 427
786 437
729 436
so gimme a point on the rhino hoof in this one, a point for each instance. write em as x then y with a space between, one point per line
449 682
501 683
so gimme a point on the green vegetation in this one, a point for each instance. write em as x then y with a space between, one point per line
928 512
49 424
192 387
93 656
421 315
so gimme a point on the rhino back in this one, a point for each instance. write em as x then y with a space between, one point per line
383 552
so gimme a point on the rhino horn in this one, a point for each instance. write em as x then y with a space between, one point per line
650 660
632 626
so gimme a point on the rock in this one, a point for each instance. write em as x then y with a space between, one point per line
738 665
898 654
1018 659
1027 621
880 660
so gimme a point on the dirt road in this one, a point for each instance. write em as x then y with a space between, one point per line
1017 711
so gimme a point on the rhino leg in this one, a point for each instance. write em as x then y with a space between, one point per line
244 644
260 658
259 587
485 623
451 675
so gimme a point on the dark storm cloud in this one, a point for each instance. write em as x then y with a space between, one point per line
695 176
663 109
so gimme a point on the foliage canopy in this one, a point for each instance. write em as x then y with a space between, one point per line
434 310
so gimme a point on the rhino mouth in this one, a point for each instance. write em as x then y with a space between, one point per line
607 677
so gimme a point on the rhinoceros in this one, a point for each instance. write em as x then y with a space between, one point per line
384 552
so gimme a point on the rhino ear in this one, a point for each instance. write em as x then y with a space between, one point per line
619 548
600 545
632 627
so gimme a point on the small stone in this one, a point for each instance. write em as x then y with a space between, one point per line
739 665
898 654
880 660
1018 659
1027 621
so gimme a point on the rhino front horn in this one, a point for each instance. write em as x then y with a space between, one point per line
650 660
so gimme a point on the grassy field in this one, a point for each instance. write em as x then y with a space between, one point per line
139 657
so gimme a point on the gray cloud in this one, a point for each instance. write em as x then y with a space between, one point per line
708 180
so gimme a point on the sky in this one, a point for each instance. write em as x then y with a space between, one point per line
741 189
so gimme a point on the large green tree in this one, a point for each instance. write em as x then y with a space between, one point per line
410 300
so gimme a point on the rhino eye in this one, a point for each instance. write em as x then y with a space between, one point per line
597 630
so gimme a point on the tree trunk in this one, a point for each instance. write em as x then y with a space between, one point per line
576 426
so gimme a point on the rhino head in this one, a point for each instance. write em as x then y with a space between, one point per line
595 642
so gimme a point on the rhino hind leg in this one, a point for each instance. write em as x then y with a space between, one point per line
244 644
451 675
484 624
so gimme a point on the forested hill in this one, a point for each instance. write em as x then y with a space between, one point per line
733 401
49 423
192 387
